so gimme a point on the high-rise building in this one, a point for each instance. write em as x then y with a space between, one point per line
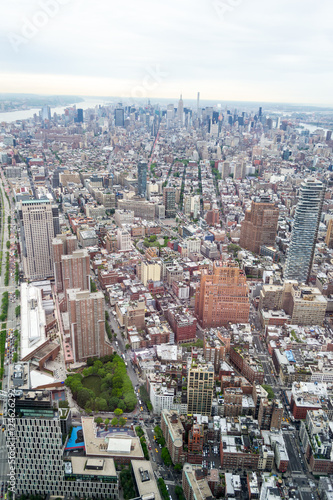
200 388
87 324
76 270
62 244
259 226
305 230
46 113
142 179
222 297
169 201
80 115
39 222
40 430
119 117
180 111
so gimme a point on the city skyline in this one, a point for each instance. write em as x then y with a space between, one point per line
224 49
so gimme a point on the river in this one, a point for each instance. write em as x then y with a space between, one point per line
25 114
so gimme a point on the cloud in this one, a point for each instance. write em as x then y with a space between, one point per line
257 50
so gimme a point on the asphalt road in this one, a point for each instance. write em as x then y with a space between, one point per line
295 463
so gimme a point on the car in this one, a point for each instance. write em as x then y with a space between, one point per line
156 450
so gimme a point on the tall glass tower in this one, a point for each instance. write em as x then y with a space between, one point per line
305 230
142 178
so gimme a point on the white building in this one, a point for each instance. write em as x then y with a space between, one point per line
124 242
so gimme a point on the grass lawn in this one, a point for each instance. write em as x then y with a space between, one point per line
92 382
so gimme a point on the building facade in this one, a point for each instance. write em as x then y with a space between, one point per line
200 388
87 324
222 297
259 226
39 222
304 232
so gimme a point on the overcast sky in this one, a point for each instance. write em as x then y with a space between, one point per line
249 50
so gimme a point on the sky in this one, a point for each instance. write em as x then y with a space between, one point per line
245 50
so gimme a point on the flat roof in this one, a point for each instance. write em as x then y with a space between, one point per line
93 467
100 445
33 319
144 477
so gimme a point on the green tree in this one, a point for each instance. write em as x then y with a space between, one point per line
83 397
98 420
107 421
118 412
166 456
93 286
114 422
122 421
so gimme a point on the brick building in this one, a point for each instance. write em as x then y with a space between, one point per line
183 324
259 226
222 296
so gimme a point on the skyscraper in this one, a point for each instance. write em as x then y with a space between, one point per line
62 244
142 178
119 117
169 201
39 222
80 115
259 226
222 297
305 230
76 270
180 111
87 322
200 388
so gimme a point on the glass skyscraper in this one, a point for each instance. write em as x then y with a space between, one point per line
142 178
304 231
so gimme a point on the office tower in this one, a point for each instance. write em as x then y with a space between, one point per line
41 466
169 201
259 226
142 179
222 297
180 111
329 234
170 114
46 113
200 388
304 231
80 115
62 244
39 222
39 449
119 117
87 324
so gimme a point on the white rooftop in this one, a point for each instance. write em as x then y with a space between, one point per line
32 319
